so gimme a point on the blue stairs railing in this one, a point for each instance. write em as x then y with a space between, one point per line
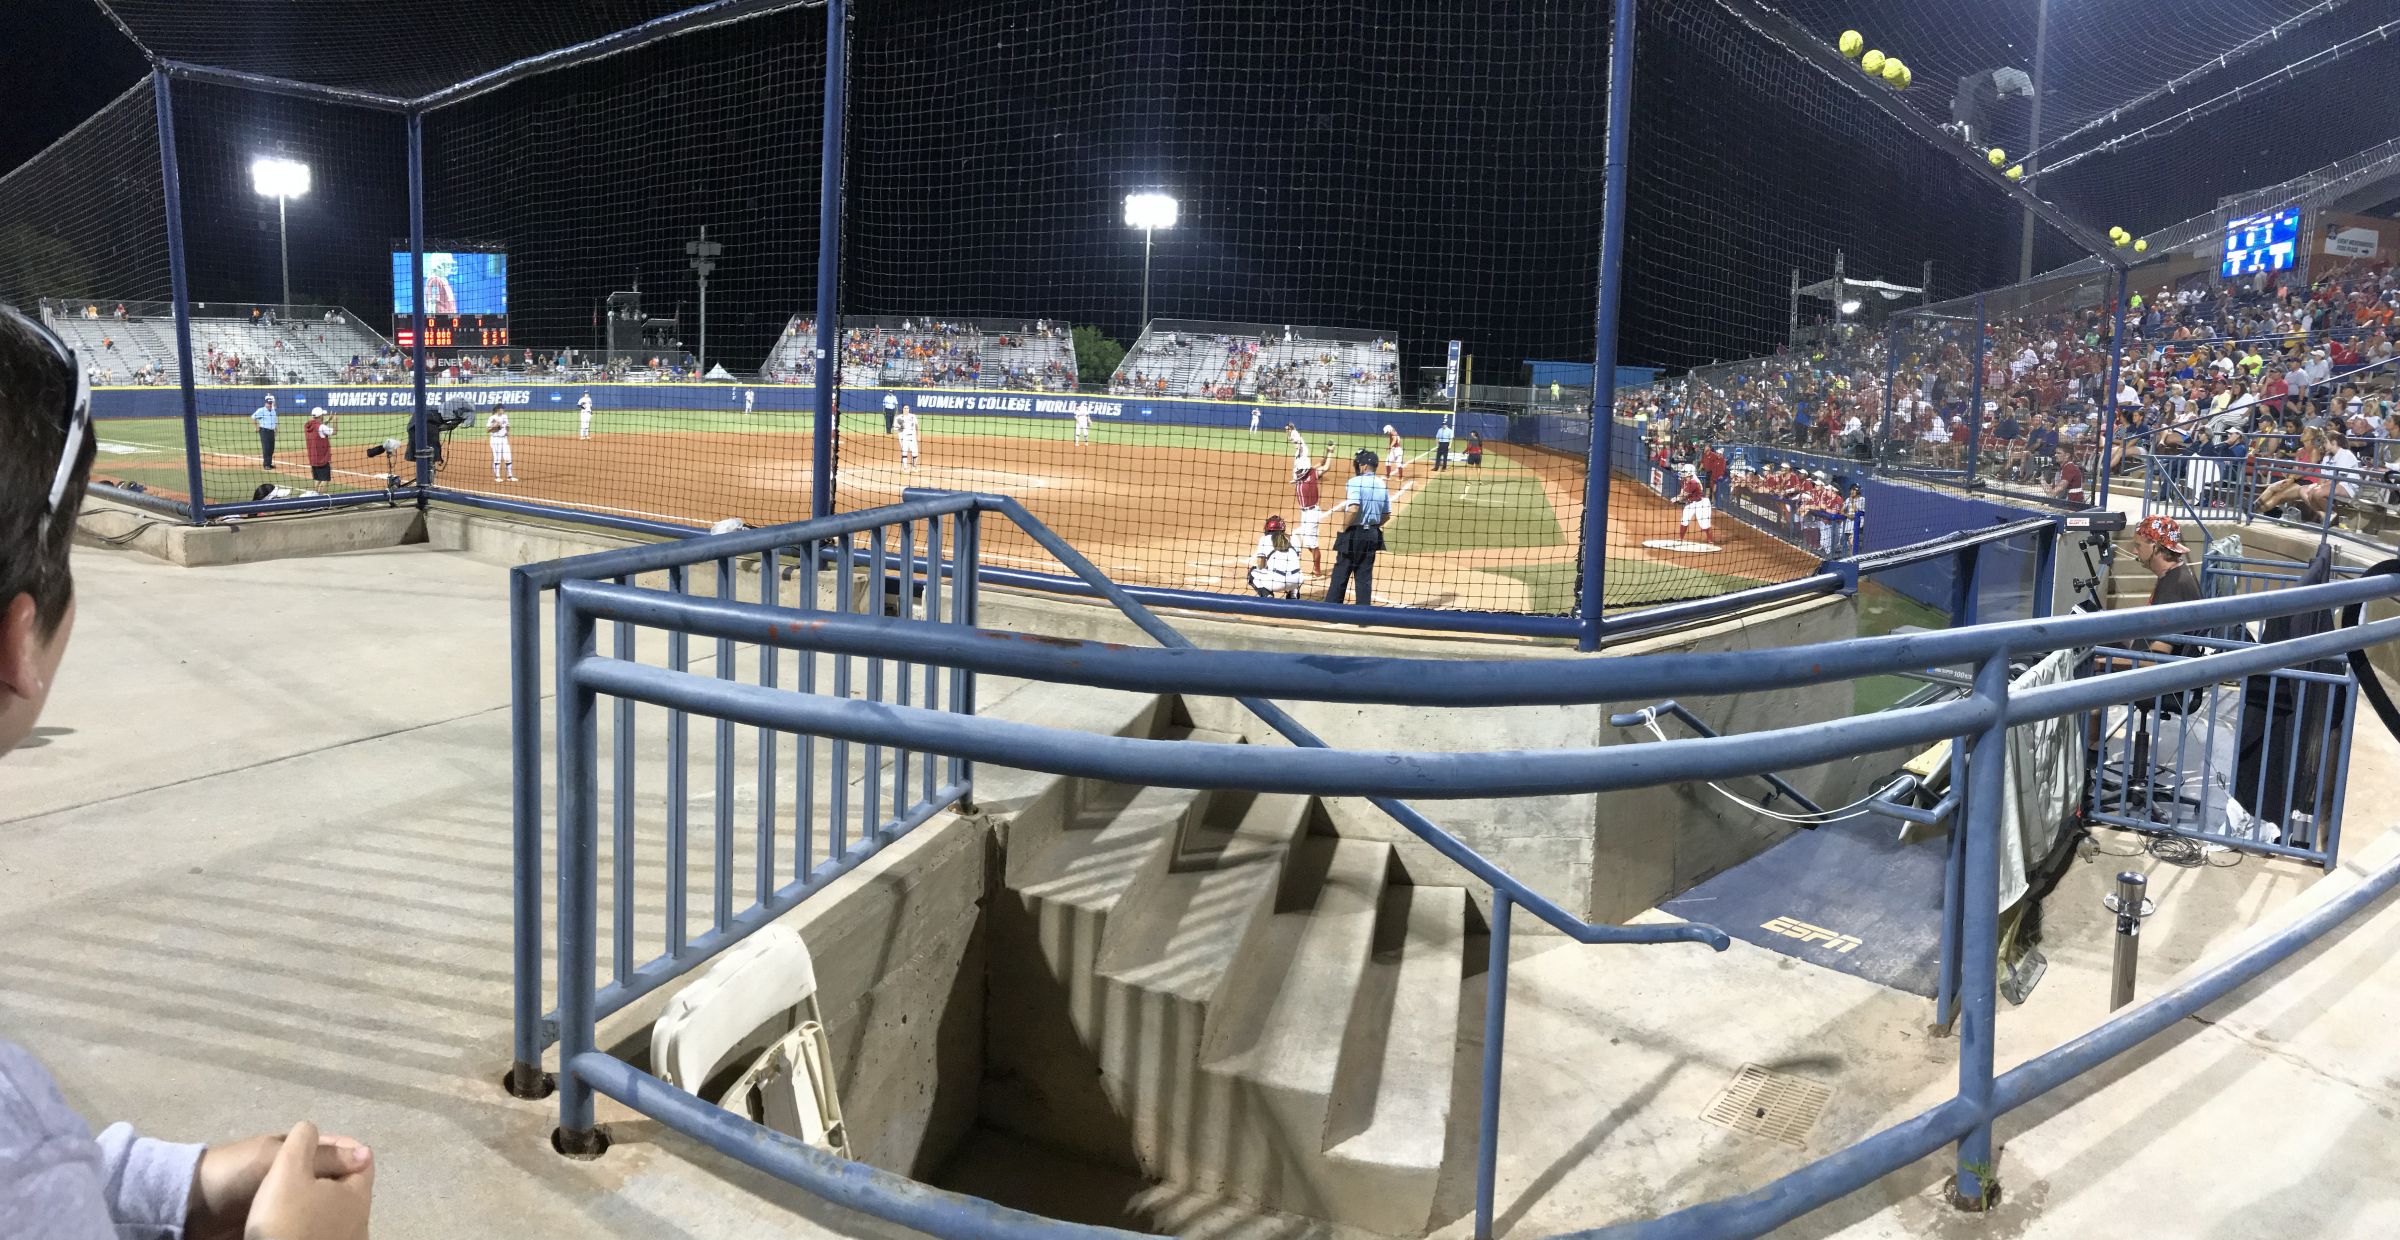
594 590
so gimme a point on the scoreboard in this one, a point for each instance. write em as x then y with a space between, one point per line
2255 243
453 331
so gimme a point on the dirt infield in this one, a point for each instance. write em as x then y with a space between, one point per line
1161 513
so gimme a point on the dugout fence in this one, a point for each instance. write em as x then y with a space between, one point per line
755 236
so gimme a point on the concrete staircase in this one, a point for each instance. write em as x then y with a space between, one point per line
1195 987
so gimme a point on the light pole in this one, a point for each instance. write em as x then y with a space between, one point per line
704 260
281 180
1149 210
2033 134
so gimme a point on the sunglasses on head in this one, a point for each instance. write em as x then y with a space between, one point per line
77 417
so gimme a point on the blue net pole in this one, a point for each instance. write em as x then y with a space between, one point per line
1604 333
171 179
829 255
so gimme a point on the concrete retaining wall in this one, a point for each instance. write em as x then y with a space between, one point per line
1607 857
249 540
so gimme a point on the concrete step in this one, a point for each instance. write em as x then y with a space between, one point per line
1389 1117
1107 836
1277 1031
1199 900
1035 805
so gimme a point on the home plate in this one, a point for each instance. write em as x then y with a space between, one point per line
1678 544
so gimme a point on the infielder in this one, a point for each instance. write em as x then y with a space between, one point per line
1696 506
503 458
904 425
584 406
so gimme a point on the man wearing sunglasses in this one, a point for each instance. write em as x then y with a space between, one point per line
56 1180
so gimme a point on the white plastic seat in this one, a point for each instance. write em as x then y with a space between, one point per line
789 1087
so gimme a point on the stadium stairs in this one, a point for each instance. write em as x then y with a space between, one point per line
1212 991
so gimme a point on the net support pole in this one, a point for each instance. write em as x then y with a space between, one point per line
2108 402
1604 326
1974 410
416 295
829 256
1891 381
172 182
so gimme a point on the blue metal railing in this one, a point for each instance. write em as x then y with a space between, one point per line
936 583
1979 723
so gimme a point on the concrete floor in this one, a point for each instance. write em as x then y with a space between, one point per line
258 871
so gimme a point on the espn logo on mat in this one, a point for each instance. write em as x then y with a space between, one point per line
1793 928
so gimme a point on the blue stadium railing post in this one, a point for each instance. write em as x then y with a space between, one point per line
525 748
1974 412
1604 327
416 296
2045 571
578 876
1495 1037
1977 1185
171 178
2108 417
829 261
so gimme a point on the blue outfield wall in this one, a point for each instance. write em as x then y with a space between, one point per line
167 402
1170 410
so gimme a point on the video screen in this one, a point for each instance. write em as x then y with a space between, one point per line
472 283
2255 243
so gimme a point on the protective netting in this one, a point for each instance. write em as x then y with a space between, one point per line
1356 186
592 182
84 223
391 49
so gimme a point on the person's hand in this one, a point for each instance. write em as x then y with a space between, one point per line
228 1176
298 1186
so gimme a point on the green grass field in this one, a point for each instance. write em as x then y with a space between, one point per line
1458 510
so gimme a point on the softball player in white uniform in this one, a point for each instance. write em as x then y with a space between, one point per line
584 408
1394 460
904 426
503 457
1083 426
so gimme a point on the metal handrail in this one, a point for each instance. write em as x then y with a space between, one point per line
1981 720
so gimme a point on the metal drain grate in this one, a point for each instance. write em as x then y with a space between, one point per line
1774 1105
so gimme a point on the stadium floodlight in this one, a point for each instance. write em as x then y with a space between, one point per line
281 180
1851 306
1149 210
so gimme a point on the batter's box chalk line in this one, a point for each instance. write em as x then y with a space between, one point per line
1683 545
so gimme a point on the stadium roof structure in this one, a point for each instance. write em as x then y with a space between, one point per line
421 54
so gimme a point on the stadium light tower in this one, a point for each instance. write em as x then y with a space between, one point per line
281 180
704 254
1149 210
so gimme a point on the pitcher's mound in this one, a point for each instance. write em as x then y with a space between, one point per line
1678 544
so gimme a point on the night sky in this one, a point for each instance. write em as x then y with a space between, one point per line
1388 166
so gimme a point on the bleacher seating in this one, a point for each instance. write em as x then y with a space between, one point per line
897 351
315 346
1247 361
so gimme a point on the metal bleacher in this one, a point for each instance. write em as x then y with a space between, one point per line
921 350
1317 365
314 345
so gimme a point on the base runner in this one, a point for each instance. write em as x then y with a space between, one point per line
1395 461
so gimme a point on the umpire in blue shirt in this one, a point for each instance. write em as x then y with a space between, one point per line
264 415
1367 502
